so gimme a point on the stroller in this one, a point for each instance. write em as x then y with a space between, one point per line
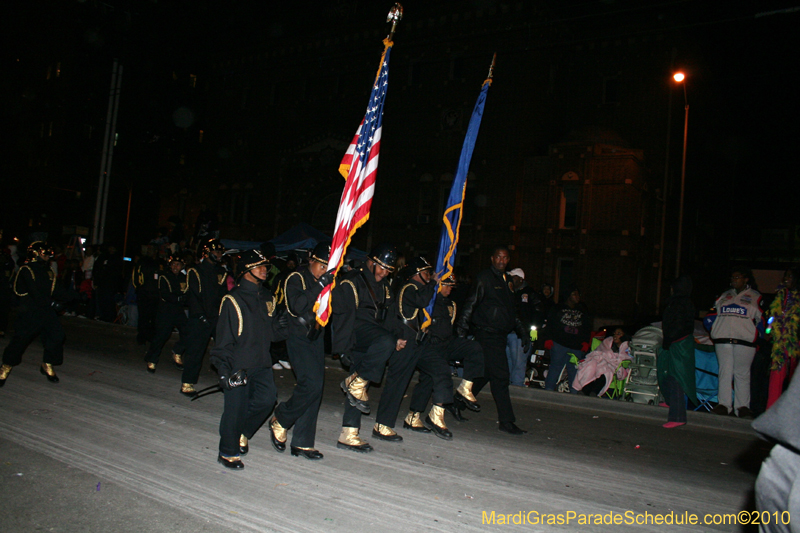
642 384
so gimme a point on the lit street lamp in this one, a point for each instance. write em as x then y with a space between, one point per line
680 77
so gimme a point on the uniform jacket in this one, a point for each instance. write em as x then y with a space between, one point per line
145 276
171 289
442 319
34 284
352 301
206 285
737 315
405 315
300 291
245 329
491 305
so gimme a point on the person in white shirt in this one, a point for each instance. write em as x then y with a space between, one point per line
734 334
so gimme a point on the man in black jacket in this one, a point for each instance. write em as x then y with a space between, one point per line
306 347
360 303
206 285
244 332
170 315
490 314
35 283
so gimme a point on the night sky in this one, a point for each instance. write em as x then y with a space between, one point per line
739 57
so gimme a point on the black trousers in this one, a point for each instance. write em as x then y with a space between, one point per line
148 308
197 336
29 324
301 410
167 319
246 409
5 307
374 346
495 372
434 370
401 367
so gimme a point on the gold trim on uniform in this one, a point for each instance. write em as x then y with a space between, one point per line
243 441
452 310
402 292
355 292
286 281
386 431
221 278
350 437
199 283
238 311
33 277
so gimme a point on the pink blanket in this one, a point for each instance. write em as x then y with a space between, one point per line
601 362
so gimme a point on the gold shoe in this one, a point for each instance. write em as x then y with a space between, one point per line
435 422
5 370
176 357
349 440
244 445
464 394
413 421
188 389
379 431
47 370
355 388
151 367
277 434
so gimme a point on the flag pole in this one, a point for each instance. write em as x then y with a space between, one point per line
395 15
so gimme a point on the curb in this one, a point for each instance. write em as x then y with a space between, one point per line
637 410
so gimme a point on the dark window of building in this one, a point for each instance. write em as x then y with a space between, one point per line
568 212
610 90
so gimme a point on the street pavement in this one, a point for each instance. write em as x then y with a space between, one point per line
114 448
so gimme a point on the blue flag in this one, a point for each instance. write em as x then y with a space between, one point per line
451 221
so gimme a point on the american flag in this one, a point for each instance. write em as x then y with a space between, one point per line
359 167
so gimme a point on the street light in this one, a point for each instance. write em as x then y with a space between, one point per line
680 77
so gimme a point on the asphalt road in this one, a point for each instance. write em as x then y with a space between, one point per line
114 448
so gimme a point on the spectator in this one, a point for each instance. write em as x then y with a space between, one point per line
676 360
597 370
526 303
568 332
784 312
738 311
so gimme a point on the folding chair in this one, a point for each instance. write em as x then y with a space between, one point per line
706 372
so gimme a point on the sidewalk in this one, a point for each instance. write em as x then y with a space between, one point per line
623 408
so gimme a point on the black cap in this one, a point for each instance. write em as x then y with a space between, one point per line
448 281
248 260
37 249
385 255
321 253
419 264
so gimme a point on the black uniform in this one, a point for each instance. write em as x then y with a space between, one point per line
359 305
490 314
34 284
439 349
243 335
145 280
207 284
405 319
306 345
6 293
170 313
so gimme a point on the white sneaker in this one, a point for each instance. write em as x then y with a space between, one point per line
285 364
277 366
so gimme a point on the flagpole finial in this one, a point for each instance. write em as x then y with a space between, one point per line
395 15
491 68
